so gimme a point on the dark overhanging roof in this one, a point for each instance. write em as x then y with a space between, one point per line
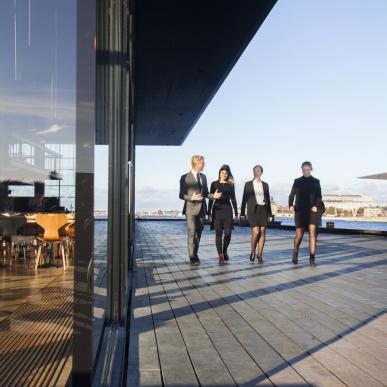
379 176
184 50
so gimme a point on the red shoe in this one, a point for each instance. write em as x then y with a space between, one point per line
221 259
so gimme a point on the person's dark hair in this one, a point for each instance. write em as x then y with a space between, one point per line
226 168
258 166
307 163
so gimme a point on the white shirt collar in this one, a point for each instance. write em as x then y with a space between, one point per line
195 173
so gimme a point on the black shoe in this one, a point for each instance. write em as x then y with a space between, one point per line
295 257
194 261
312 261
252 257
226 257
260 259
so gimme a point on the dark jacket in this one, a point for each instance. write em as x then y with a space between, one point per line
225 199
307 194
250 200
189 186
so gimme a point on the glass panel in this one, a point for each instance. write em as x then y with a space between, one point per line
37 183
100 241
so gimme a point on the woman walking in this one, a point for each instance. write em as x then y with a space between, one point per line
256 197
308 209
220 211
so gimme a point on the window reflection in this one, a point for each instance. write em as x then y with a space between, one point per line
54 191
37 171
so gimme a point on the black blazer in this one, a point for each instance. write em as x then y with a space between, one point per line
250 200
188 186
307 194
232 198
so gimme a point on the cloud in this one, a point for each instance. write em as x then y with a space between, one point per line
376 189
55 128
331 188
38 107
151 198
280 191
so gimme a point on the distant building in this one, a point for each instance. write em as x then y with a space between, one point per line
283 211
274 206
347 202
373 211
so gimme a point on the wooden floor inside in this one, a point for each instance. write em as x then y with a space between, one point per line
248 324
35 326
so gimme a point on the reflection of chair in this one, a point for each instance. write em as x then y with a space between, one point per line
69 240
9 226
25 246
51 224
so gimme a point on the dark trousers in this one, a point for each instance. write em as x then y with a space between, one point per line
195 224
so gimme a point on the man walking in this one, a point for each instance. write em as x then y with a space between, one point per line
194 191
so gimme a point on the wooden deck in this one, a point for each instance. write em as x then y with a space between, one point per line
35 326
247 325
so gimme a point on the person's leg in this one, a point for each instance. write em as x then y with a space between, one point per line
254 241
199 228
297 242
312 244
261 242
228 225
218 241
191 225
226 242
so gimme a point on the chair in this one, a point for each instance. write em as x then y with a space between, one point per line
25 244
69 240
51 224
9 225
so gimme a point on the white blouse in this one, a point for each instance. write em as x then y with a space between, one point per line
258 190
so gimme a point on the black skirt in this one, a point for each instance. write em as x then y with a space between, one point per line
306 217
259 217
222 218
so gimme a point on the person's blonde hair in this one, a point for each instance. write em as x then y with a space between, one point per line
195 159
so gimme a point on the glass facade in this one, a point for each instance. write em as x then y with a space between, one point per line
101 203
37 188
66 186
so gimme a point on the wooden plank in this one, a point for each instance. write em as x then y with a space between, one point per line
274 310
143 361
36 337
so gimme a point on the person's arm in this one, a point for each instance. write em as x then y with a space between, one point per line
318 196
206 194
269 213
209 195
233 200
292 194
183 190
211 201
244 200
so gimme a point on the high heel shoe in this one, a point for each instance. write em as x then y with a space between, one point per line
221 259
295 257
260 259
252 256
226 257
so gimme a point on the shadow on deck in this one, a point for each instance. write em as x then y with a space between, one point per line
245 324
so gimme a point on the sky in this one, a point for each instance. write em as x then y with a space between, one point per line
311 85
